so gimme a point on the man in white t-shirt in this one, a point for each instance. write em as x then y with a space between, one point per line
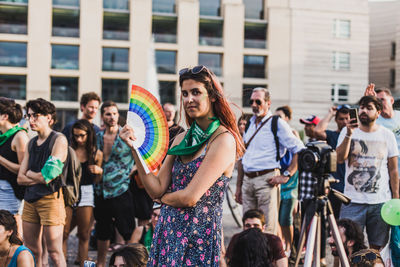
370 153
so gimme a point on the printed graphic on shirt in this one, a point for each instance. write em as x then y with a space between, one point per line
365 161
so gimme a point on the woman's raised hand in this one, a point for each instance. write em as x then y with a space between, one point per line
127 134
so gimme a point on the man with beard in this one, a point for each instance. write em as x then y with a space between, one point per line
351 235
259 188
113 200
363 148
173 128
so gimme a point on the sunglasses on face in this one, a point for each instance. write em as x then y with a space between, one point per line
370 256
35 115
258 102
194 70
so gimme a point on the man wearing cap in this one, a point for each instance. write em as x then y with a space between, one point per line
259 187
309 126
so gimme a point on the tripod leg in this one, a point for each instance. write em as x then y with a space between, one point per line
311 241
338 241
302 240
317 246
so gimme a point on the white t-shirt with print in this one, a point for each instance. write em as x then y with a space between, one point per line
367 176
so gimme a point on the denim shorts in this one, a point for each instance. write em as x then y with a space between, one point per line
87 196
8 200
368 216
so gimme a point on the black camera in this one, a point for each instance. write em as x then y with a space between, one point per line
318 157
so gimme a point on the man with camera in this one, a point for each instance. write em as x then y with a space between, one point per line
370 154
259 188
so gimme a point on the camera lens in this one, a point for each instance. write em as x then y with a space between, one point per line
308 160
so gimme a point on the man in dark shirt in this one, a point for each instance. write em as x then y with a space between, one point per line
254 218
174 129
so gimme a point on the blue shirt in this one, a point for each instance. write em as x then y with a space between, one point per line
392 124
14 259
116 169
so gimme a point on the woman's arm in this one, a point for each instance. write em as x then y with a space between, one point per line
25 259
96 168
22 179
18 145
220 158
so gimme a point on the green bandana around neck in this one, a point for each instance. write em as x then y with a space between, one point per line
4 137
194 138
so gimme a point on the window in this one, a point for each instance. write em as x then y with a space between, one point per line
164 29
12 54
392 81
341 28
339 93
254 67
66 18
247 91
212 61
115 90
13 86
64 116
255 35
341 61
64 88
115 59
65 57
166 61
164 6
210 8
167 92
14 17
116 4
116 25
210 32
254 9
393 51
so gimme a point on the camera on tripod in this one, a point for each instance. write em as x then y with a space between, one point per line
319 158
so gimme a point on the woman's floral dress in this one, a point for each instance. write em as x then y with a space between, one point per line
189 236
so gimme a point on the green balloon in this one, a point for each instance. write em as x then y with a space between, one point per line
390 212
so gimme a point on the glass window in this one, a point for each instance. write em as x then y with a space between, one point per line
339 93
392 81
255 35
64 116
13 18
74 3
210 8
13 86
115 90
164 6
166 61
65 22
254 67
213 61
65 57
164 29
210 32
341 61
15 1
253 9
116 4
12 54
116 25
115 59
247 91
341 28
167 92
393 51
64 88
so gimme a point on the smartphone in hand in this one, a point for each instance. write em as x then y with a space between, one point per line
353 112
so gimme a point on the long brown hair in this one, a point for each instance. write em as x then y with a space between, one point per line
9 223
90 145
220 106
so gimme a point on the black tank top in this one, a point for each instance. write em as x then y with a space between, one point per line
38 156
87 176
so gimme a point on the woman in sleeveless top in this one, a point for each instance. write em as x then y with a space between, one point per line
13 140
83 141
194 176
12 252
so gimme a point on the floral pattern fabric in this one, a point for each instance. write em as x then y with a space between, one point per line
190 236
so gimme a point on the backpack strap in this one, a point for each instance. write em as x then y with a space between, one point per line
274 129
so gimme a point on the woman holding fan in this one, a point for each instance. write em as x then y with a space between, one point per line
193 178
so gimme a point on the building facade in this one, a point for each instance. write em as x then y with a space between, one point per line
309 53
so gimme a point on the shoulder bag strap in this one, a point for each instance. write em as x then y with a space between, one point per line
251 138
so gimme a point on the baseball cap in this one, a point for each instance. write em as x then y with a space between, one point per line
310 120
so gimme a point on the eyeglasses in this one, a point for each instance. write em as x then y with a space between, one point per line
35 115
79 135
369 256
258 101
194 70
343 106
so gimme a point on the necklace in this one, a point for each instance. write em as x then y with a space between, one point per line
8 254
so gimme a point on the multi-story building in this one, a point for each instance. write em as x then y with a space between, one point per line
309 53
384 60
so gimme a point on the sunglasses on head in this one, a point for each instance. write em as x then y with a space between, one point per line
194 70
343 106
369 256
258 101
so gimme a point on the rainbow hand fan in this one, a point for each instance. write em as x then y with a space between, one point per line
147 119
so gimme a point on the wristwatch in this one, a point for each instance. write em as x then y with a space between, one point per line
286 173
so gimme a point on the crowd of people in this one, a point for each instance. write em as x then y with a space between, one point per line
175 213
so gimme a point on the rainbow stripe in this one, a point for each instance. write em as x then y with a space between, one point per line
155 145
